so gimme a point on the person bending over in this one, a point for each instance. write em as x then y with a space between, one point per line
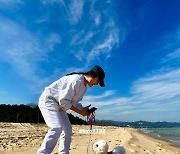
60 96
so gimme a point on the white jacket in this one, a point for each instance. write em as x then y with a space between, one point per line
66 91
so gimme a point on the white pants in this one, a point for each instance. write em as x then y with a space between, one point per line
59 127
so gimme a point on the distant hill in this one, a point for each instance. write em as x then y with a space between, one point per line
28 114
138 124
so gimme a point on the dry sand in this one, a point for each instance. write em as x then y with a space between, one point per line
20 138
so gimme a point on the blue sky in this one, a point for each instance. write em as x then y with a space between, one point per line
136 42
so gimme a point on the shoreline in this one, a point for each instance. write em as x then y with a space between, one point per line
162 138
21 138
161 142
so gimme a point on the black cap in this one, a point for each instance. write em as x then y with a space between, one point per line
100 74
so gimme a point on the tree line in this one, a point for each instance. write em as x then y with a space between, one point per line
28 114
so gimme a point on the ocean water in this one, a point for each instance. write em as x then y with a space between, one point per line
170 134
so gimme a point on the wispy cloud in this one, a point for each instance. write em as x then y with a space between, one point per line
105 36
18 45
95 98
82 37
78 37
52 40
23 49
158 89
105 99
98 31
96 15
76 11
156 93
173 57
171 39
162 85
97 18
169 45
104 47
80 55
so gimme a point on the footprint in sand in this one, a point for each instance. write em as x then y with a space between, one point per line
134 145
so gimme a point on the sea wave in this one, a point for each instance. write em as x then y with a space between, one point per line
167 134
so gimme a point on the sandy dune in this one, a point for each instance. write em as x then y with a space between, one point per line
19 138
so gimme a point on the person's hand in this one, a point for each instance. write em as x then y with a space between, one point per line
86 107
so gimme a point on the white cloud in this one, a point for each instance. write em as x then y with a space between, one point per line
93 41
23 49
155 94
175 54
80 55
52 40
78 37
18 47
108 37
76 11
105 100
104 47
173 57
158 88
104 33
95 98
96 17
87 37
169 44
151 97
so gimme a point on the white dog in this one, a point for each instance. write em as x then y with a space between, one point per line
101 147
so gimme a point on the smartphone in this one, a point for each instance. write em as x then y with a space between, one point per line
91 110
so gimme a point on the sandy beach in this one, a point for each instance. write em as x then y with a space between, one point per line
21 138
